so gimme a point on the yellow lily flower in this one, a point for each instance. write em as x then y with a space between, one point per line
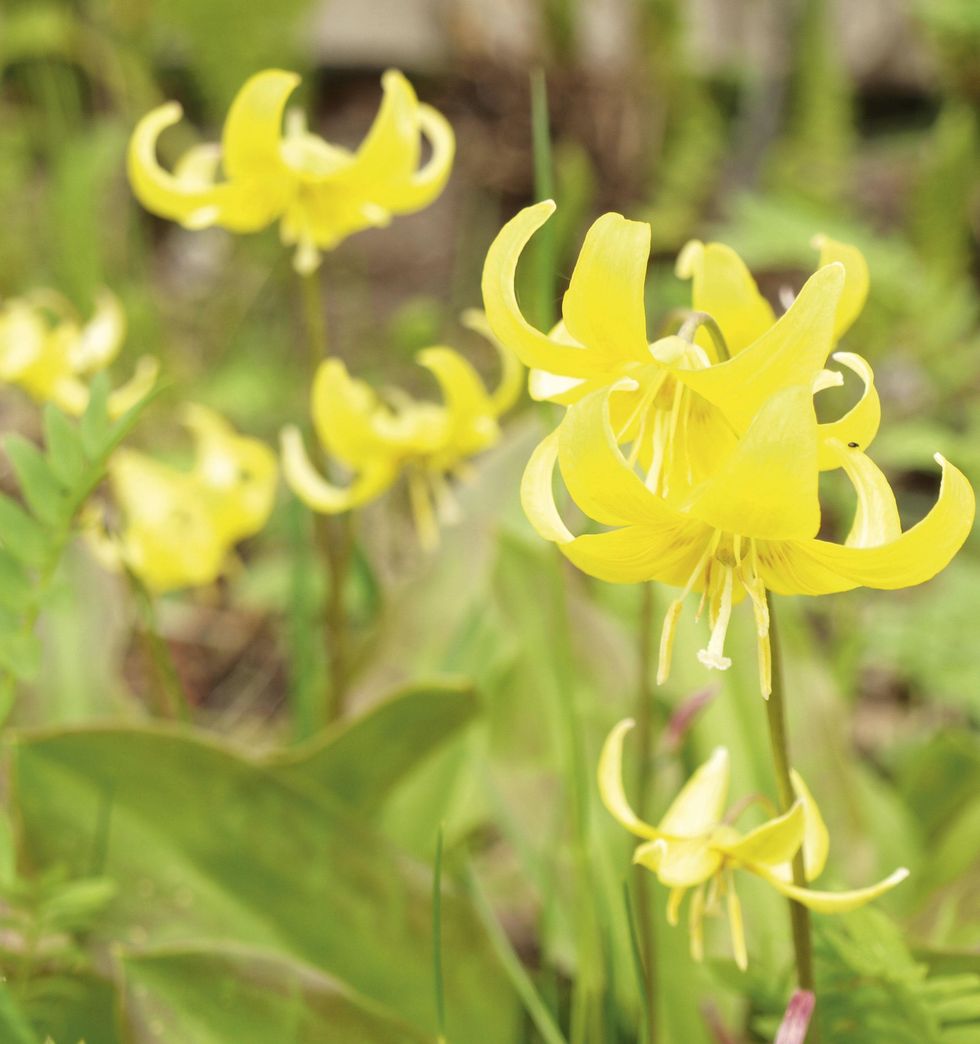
178 526
47 350
695 846
319 192
688 400
377 439
749 527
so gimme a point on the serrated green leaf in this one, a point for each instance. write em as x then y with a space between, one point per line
66 457
95 423
207 843
16 589
213 995
21 534
41 489
361 762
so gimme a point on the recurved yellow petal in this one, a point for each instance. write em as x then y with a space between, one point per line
767 487
319 494
428 181
611 790
635 554
604 307
127 395
511 383
876 520
723 287
534 348
252 137
833 902
816 839
698 807
860 423
856 281
819 567
464 393
772 843
792 352
100 339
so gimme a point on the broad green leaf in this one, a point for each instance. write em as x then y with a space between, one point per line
66 457
216 995
206 844
362 761
20 654
14 1025
21 535
42 491
95 424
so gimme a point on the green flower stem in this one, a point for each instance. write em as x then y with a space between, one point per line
333 535
644 734
776 715
172 700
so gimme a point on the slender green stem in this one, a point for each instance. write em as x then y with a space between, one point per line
644 734
437 940
776 714
545 247
171 699
697 320
333 535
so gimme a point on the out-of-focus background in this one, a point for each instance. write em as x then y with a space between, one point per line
756 122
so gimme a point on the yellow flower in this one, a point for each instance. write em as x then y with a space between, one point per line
747 528
321 193
377 439
47 350
179 526
696 846
687 401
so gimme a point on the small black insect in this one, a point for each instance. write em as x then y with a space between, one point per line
853 445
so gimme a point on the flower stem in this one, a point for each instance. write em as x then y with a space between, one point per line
644 733
332 535
776 714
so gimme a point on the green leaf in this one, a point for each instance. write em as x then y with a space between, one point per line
362 762
66 457
20 654
21 534
42 490
14 1026
206 843
95 423
214 995
16 589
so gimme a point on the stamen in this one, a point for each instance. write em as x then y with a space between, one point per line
674 611
674 905
736 925
696 923
756 590
447 506
714 656
425 519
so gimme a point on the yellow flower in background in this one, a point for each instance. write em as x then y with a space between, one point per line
319 192
376 438
751 527
695 846
46 349
178 527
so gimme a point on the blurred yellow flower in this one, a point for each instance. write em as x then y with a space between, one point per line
696 846
749 527
46 349
377 438
691 394
321 193
178 526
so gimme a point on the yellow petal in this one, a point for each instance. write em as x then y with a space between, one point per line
428 181
832 902
860 423
856 281
100 339
767 488
610 775
816 839
511 384
346 412
679 864
160 191
636 554
598 477
126 396
792 352
550 387
736 925
724 288
698 807
462 389
604 307
319 494
534 348
876 520
819 567
252 137
390 150
772 843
